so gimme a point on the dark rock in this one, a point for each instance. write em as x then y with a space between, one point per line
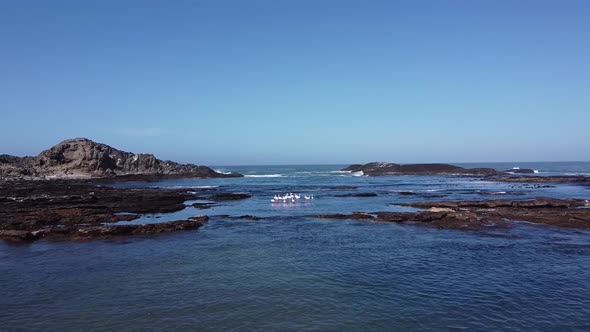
533 203
229 196
545 179
102 231
383 168
63 206
374 168
249 217
18 236
520 171
82 157
202 219
204 206
479 215
356 215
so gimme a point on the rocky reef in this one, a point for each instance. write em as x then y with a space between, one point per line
517 175
383 168
81 157
573 179
74 209
485 215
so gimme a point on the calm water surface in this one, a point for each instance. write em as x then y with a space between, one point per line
290 272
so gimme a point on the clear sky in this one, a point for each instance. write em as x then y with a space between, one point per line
271 82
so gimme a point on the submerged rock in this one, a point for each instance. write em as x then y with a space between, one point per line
545 179
203 206
358 195
229 196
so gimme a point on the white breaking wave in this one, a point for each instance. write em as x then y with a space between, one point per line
341 172
359 173
535 171
222 172
264 175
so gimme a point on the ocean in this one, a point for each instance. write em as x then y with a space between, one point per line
289 272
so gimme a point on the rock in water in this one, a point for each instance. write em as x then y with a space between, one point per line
382 168
81 157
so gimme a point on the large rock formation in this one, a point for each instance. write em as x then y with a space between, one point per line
81 157
382 168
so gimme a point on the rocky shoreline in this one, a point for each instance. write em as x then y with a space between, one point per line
76 209
89 209
480 215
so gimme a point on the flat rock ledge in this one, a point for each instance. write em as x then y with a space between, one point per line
30 210
480 215
574 179
101 232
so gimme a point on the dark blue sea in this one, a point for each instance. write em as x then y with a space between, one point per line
292 273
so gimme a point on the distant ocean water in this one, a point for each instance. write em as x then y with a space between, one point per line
292 273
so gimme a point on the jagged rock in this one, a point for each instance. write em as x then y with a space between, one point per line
81 157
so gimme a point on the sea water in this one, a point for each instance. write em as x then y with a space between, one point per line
289 272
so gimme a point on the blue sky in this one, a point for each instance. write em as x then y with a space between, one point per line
273 82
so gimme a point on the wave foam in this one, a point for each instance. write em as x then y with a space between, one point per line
359 173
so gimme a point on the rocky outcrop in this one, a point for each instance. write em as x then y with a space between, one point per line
485 215
74 209
520 171
82 157
383 168
102 232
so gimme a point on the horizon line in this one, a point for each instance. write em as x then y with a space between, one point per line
450 163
